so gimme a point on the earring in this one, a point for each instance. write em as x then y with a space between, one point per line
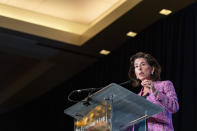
152 73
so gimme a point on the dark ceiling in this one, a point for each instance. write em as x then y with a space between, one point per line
30 65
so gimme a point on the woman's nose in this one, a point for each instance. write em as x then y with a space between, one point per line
140 68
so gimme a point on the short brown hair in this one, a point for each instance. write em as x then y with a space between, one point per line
150 60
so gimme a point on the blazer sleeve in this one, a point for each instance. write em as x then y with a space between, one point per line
167 98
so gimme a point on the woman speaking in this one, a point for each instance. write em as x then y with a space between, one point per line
145 72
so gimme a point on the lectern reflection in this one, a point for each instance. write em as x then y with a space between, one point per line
98 119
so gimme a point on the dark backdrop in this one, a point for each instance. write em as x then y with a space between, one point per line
172 41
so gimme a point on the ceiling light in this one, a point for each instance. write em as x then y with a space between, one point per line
131 34
165 12
104 52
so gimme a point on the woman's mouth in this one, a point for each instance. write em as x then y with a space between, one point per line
141 73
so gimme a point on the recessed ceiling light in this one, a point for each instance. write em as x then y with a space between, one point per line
104 52
165 12
131 34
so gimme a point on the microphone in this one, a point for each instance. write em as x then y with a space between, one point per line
95 89
88 89
126 82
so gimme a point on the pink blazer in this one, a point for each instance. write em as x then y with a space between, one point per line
167 99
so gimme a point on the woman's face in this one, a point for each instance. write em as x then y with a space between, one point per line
142 69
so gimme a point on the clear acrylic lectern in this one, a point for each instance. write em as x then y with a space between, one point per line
113 108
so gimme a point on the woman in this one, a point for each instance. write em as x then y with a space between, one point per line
145 71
